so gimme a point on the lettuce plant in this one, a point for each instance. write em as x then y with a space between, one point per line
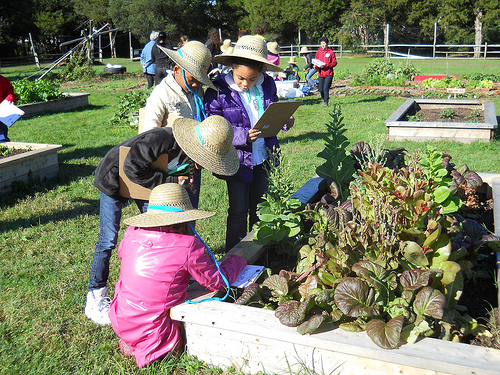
391 259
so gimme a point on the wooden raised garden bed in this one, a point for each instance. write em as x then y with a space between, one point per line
72 101
402 124
252 340
41 162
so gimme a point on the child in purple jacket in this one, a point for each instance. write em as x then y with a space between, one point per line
244 94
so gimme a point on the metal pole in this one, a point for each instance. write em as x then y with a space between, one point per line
130 45
100 48
434 45
34 52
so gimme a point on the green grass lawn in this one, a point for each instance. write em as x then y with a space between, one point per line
48 231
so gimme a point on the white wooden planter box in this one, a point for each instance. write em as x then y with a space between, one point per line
252 340
74 100
399 129
41 161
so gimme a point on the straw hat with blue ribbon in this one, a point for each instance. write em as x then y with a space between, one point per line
194 58
208 143
169 204
250 47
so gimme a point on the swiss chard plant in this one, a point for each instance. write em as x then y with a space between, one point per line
278 222
391 257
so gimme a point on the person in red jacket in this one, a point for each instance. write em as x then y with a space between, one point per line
6 93
325 71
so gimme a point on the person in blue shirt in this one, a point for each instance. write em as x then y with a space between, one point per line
148 66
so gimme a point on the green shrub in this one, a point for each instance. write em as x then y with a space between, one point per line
36 91
128 107
380 67
407 70
77 68
342 73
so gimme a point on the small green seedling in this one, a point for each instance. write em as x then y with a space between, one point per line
447 113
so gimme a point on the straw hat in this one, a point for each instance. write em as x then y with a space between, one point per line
304 50
225 45
229 50
209 143
292 60
168 204
273 47
249 47
194 58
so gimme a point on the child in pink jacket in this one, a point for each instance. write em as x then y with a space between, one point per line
158 257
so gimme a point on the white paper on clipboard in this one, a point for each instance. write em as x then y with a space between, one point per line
247 276
275 115
317 62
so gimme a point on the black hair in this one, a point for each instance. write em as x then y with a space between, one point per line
323 39
258 30
235 61
192 173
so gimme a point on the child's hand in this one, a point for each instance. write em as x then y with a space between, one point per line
289 123
183 181
253 134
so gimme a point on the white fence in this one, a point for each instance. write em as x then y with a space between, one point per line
434 51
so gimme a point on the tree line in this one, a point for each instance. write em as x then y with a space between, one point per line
346 22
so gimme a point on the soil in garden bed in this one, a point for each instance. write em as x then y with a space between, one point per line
459 114
5 151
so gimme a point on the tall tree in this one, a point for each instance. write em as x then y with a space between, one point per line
175 17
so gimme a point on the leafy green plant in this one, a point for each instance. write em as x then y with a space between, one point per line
407 70
379 66
447 113
40 90
278 222
78 68
338 164
127 110
445 82
342 73
414 118
391 260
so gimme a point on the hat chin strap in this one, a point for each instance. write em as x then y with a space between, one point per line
200 110
218 268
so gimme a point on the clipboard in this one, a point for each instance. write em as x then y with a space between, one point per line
273 118
129 189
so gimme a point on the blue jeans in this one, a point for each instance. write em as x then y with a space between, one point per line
109 222
309 76
324 84
243 200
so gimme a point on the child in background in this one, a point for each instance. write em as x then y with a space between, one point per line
180 93
292 70
308 56
187 142
273 56
158 257
244 93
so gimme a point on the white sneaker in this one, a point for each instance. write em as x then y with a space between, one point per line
97 307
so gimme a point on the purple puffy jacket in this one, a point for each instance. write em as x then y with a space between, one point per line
156 265
227 103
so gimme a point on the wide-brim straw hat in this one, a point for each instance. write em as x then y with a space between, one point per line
194 58
304 50
249 47
273 47
225 45
229 50
292 60
169 204
208 143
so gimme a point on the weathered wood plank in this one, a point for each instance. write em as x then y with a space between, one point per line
249 328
